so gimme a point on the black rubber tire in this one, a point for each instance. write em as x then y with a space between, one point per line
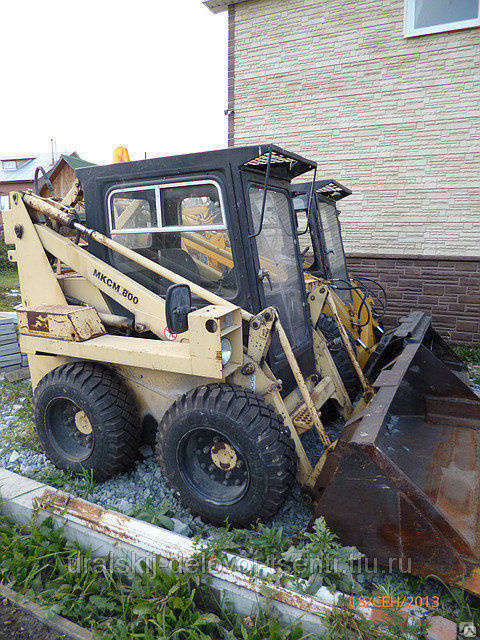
254 430
110 408
327 325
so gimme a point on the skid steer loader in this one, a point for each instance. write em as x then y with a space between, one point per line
360 302
133 326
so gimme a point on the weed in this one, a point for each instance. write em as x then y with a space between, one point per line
314 558
342 624
455 602
85 482
392 587
11 392
20 435
475 373
161 517
81 485
261 543
325 561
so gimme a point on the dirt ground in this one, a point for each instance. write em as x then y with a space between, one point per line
15 624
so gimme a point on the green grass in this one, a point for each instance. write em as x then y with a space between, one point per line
342 625
470 355
8 281
8 278
20 433
68 581
152 604
81 485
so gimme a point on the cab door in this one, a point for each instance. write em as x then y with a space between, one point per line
279 274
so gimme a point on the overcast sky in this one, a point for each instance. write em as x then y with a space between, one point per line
146 74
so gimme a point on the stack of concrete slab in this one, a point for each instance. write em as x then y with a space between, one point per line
11 358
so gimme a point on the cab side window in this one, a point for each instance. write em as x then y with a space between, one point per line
182 227
133 214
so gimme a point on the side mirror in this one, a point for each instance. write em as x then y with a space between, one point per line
300 206
300 203
178 306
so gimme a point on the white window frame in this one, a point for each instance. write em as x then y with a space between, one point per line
161 228
9 168
410 31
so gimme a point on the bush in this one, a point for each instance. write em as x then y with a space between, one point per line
5 263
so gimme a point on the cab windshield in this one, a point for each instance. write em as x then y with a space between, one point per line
277 254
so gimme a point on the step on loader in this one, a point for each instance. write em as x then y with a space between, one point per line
166 300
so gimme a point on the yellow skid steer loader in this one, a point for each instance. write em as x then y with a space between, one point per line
135 328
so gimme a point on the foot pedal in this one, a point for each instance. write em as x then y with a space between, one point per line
301 418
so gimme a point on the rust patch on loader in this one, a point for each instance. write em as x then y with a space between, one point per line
37 321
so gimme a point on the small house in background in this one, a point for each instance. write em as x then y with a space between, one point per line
62 174
17 174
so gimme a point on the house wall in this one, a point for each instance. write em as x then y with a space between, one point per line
7 187
395 119
448 289
62 181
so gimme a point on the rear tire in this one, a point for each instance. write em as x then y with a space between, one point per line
327 325
226 454
86 419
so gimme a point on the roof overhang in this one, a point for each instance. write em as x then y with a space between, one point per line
217 6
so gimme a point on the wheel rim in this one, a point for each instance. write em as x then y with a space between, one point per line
212 467
69 429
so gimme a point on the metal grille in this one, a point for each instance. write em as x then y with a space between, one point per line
277 158
332 190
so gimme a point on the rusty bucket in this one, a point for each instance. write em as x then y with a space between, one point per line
403 482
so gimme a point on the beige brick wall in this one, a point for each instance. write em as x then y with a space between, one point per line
395 119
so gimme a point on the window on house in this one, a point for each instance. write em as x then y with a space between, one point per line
8 165
4 203
432 16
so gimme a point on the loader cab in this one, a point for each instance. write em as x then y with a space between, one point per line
221 219
320 236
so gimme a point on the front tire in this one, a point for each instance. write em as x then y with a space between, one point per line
226 454
86 419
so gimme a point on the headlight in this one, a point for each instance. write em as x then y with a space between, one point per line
226 351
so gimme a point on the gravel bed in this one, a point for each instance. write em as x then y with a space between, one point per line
145 482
